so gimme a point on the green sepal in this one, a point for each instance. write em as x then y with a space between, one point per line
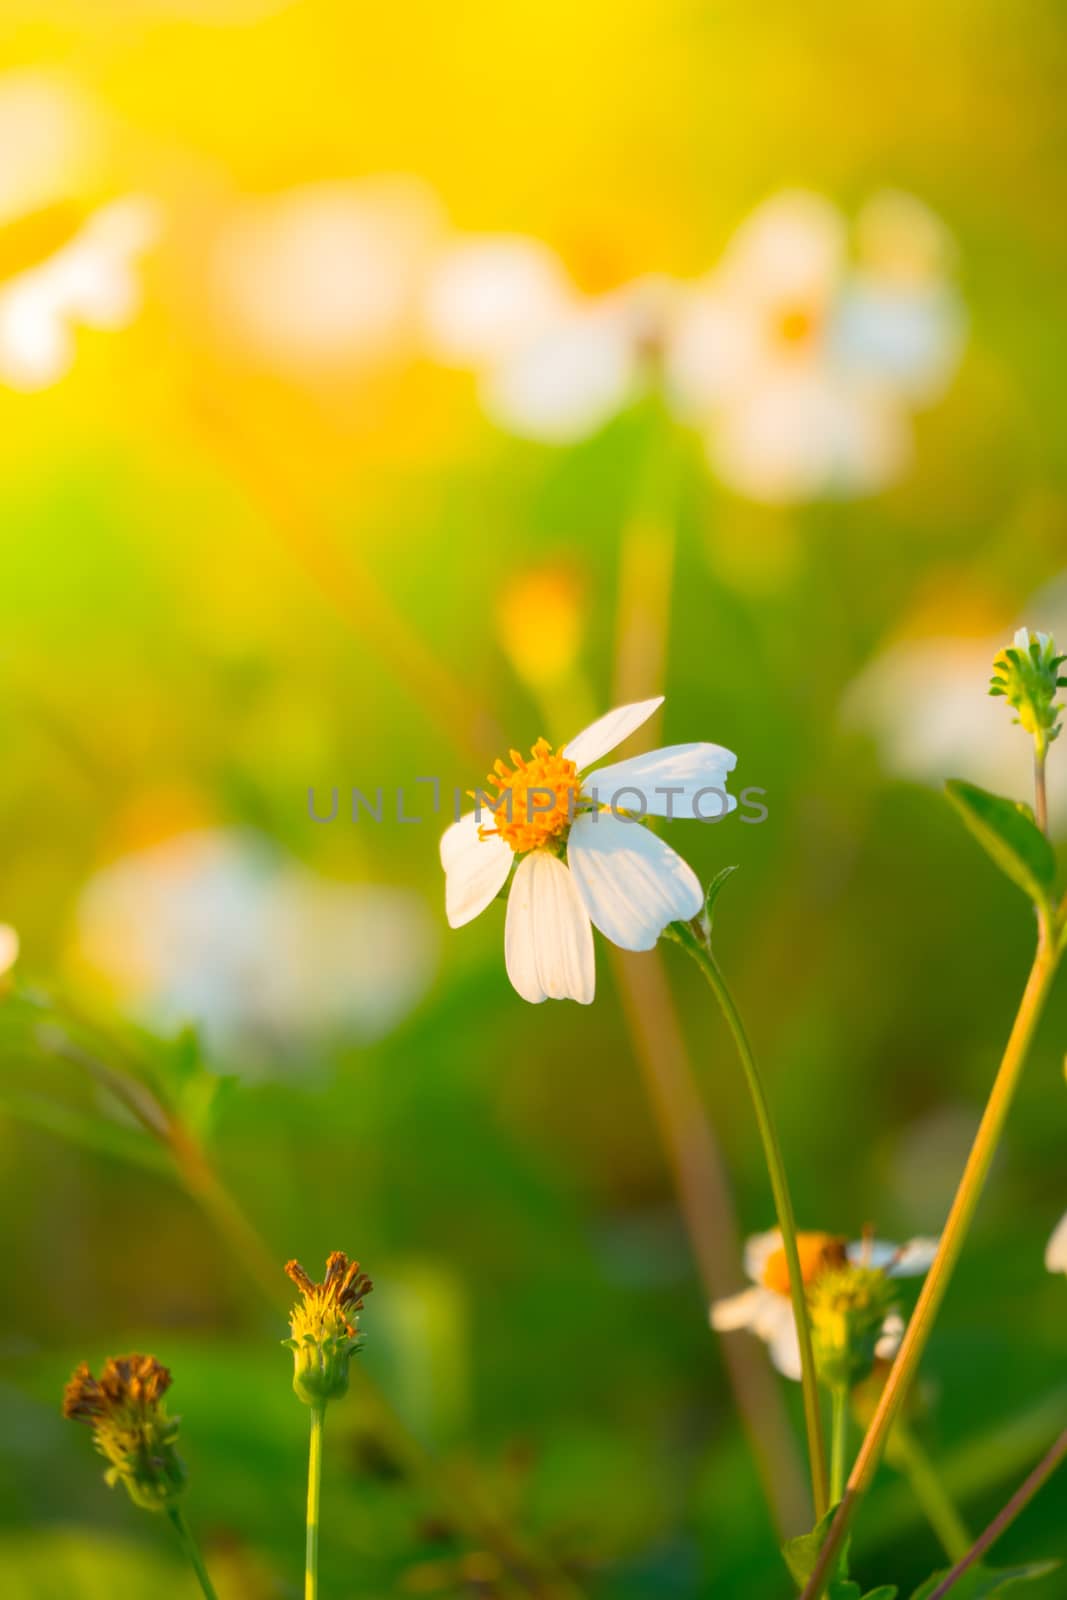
715 888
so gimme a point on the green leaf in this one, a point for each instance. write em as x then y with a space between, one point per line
802 1553
1008 834
985 1583
97 1134
714 889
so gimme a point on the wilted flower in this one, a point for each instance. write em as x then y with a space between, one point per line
801 368
325 1327
1056 1249
849 1293
582 855
131 1428
1027 675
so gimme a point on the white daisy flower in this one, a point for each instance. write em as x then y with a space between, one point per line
88 281
554 364
801 369
1056 1250
580 855
766 1309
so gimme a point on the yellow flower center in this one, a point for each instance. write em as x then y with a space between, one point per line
817 1252
536 799
796 325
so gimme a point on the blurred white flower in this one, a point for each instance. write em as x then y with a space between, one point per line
326 276
767 1310
89 281
9 947
49 138
617 874
553 364
1056 1250
211 928
925 701
801 368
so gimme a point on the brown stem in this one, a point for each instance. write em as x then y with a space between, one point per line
1004 1518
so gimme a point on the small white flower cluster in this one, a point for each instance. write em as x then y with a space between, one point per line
799 357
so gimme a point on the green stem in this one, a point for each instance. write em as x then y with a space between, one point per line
838 1441
311 1570
192 1550
696 942
957 1226
1040 796
907 1454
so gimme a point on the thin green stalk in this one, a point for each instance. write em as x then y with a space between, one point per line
838 1441
957 1226
192 1550
696 943
908 1455
311 1569
1040 796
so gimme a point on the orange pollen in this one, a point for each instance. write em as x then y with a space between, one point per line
817 1252
796 325
536 799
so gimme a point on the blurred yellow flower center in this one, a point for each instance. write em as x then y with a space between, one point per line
796 325
817 1251
535 800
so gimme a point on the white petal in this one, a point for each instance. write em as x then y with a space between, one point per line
608 731
632 883
789 251
759 1247
475 869
692 771
871 1252
909 339
914 1259
737 1310
490 295
783 1342
548 943
909 1260
802 429
890 1337
566 383
1056 1251
9 947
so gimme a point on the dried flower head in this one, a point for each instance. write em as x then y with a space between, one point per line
131 1428
1027 675
325 1327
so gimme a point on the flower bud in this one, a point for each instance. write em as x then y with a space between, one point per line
1026 674
848 1306
131 1428
325 1328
